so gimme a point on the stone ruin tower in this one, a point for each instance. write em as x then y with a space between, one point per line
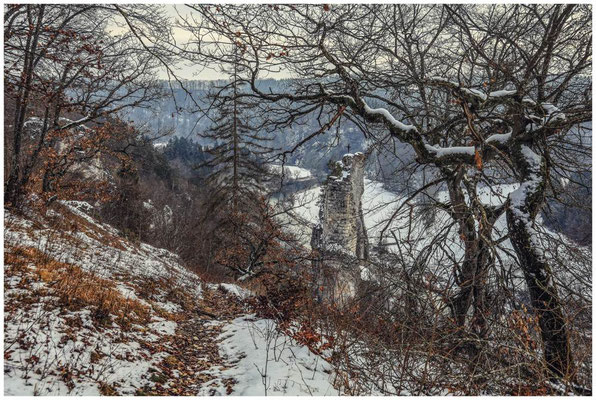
340 215
340 237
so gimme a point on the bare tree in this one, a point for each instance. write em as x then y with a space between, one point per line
484 95
64 67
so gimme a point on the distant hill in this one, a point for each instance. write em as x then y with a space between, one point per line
180 114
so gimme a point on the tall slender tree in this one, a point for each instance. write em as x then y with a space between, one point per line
237 148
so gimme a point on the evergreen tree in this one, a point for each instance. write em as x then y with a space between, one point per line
249 241
236 148
185 150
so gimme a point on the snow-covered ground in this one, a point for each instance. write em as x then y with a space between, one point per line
291 172
95 247
380 204
52 350
46 355
57 348
266 362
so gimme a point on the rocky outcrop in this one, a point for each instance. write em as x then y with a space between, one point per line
341 219
340 240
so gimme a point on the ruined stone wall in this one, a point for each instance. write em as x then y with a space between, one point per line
341 219
340 242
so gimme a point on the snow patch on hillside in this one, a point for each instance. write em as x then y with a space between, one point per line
231 288
268 362
57 348
86 356
291 172
97 248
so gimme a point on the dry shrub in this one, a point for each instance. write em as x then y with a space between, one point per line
283 295
148 289
77 289
369 342
214 274
15 261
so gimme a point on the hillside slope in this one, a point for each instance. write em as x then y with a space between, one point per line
89 312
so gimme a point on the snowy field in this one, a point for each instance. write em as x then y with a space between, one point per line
379 205
291 172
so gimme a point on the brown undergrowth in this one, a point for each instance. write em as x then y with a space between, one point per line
76 289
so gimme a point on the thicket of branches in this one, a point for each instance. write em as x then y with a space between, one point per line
482 96
66 72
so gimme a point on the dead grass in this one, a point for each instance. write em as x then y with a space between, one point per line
71 222
77 289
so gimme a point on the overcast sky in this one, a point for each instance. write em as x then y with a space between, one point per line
186 71
189 71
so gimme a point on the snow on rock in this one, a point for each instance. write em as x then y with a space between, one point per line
341 222
129 293
268 362
376 203
236 290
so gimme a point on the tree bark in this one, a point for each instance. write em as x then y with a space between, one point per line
471 279
525 203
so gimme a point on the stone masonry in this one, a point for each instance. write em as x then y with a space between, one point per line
341 219
340 239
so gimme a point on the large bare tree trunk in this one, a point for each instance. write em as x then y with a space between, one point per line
471 277
525 205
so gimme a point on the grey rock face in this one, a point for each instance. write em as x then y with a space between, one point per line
341 219
340 239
